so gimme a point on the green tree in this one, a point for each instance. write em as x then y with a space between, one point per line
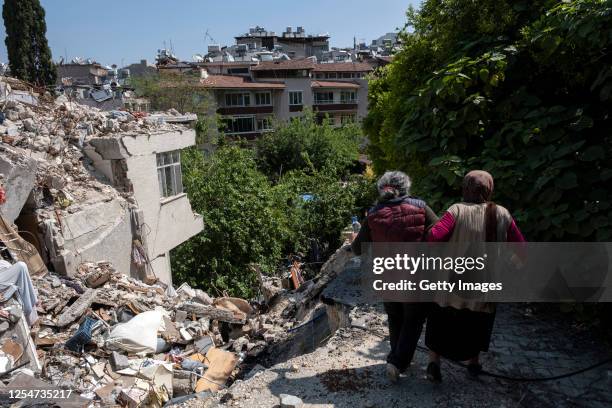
242 223
522 89
174 91
28 52
303 143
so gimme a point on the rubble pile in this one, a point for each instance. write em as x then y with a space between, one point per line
54 131
114 339
44 124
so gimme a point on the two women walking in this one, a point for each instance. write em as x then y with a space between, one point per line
455 330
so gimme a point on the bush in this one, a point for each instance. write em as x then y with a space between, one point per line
304 144
242 224
526 97
249 221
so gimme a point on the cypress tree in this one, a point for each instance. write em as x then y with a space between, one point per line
26 42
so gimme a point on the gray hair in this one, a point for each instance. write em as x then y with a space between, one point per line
393 184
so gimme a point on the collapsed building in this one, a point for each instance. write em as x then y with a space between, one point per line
98 198
88 185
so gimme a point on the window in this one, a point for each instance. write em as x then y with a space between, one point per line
237 99
347 75
320 76
295 97
324 97
264 124
331 75
240 124
234 71
347 97
169 173
263 98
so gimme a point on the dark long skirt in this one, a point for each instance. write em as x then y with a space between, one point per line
458 334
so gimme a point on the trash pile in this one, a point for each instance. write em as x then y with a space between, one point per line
114 339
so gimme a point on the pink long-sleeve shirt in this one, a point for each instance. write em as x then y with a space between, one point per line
443 230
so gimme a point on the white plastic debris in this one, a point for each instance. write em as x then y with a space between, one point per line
139 335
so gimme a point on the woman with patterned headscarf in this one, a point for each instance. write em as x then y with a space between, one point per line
461 331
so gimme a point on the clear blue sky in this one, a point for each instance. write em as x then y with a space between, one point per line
129 30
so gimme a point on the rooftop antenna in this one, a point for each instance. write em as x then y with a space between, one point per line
171 47
207 35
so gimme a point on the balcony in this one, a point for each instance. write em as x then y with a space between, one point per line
245 110
335 105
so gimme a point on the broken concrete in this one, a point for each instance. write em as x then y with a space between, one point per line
91 183
19 179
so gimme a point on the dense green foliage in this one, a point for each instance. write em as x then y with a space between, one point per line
302 143
251 218
26 42
522 89
241 224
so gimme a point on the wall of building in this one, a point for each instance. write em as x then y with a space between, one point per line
100 231
168 222
284 111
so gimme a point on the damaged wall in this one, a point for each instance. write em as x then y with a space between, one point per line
19 179
169 221
100 231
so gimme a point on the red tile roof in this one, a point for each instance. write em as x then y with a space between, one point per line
236 82
334 84
303 63
344 67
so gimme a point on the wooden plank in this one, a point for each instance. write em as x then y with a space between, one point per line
212 312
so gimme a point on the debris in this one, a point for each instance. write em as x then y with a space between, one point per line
139 334
212 312
119 361
77 309
290 401
82 336
13 349
221 364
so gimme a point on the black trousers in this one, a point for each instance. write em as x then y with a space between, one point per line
405 325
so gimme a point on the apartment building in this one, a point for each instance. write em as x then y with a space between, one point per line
250 103
296 44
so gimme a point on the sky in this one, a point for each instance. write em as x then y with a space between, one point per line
124 32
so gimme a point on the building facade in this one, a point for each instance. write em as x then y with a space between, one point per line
250 103
296 44
149 167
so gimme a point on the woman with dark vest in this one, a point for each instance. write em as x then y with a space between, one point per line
398 217
459 329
